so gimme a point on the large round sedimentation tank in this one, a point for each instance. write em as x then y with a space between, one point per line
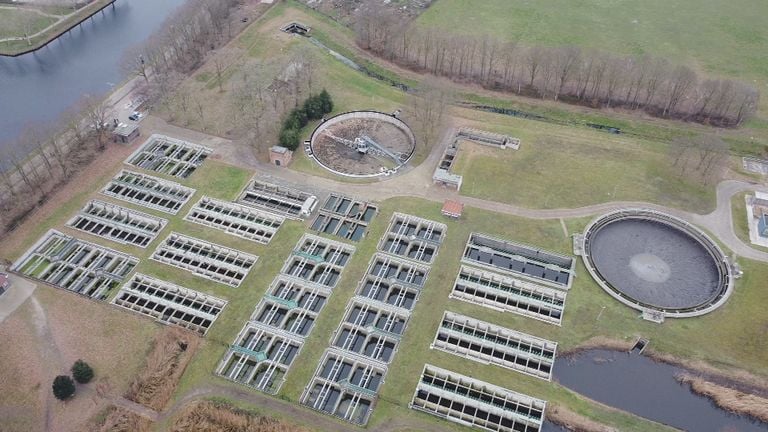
653 261
362 144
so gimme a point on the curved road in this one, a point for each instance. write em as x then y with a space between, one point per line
417 182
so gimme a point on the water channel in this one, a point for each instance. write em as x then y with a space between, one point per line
639 385
37 87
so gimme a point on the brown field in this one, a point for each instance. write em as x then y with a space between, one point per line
171 352
121 420
49 332
214 416
562 416
729 399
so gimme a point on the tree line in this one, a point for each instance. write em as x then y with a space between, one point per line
47 155
586 77
180 45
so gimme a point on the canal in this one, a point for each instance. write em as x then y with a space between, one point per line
640 385
37 87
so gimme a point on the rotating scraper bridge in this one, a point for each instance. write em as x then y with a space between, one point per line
362 144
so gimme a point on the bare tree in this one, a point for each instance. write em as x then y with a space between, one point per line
97 119
428 106
134 63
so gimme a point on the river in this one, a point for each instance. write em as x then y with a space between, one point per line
639 385
37 87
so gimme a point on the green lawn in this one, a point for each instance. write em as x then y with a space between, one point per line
721 37
561 166
17 22
729 338
718 37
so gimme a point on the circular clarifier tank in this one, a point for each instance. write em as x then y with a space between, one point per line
653 261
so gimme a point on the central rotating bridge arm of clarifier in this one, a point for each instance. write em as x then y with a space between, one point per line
377 148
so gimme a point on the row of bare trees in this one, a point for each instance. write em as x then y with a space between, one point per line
180 46
588 77
45 156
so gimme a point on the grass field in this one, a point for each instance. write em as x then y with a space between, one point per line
728 338
591 166
719 37
80 329
564 167
17 22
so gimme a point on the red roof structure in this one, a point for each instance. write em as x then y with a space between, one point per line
453 209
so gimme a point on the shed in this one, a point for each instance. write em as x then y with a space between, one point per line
125 133
452 209
280 156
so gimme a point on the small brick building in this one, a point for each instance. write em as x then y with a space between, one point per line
453 209
280 156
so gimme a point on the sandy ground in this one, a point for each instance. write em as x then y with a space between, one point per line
49 332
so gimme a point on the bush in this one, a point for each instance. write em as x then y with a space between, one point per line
314 108
289 138
326 103
82 372
63 387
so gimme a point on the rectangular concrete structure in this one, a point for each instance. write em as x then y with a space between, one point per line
507 293
169 156
236 219
76 265
169 303
374 322
345 386
393 281
209 260
290 202
371 329
516 258
260 357
116 223
413 237
471 402
263 352
291 305
344 217
148 191
488 343
318 260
